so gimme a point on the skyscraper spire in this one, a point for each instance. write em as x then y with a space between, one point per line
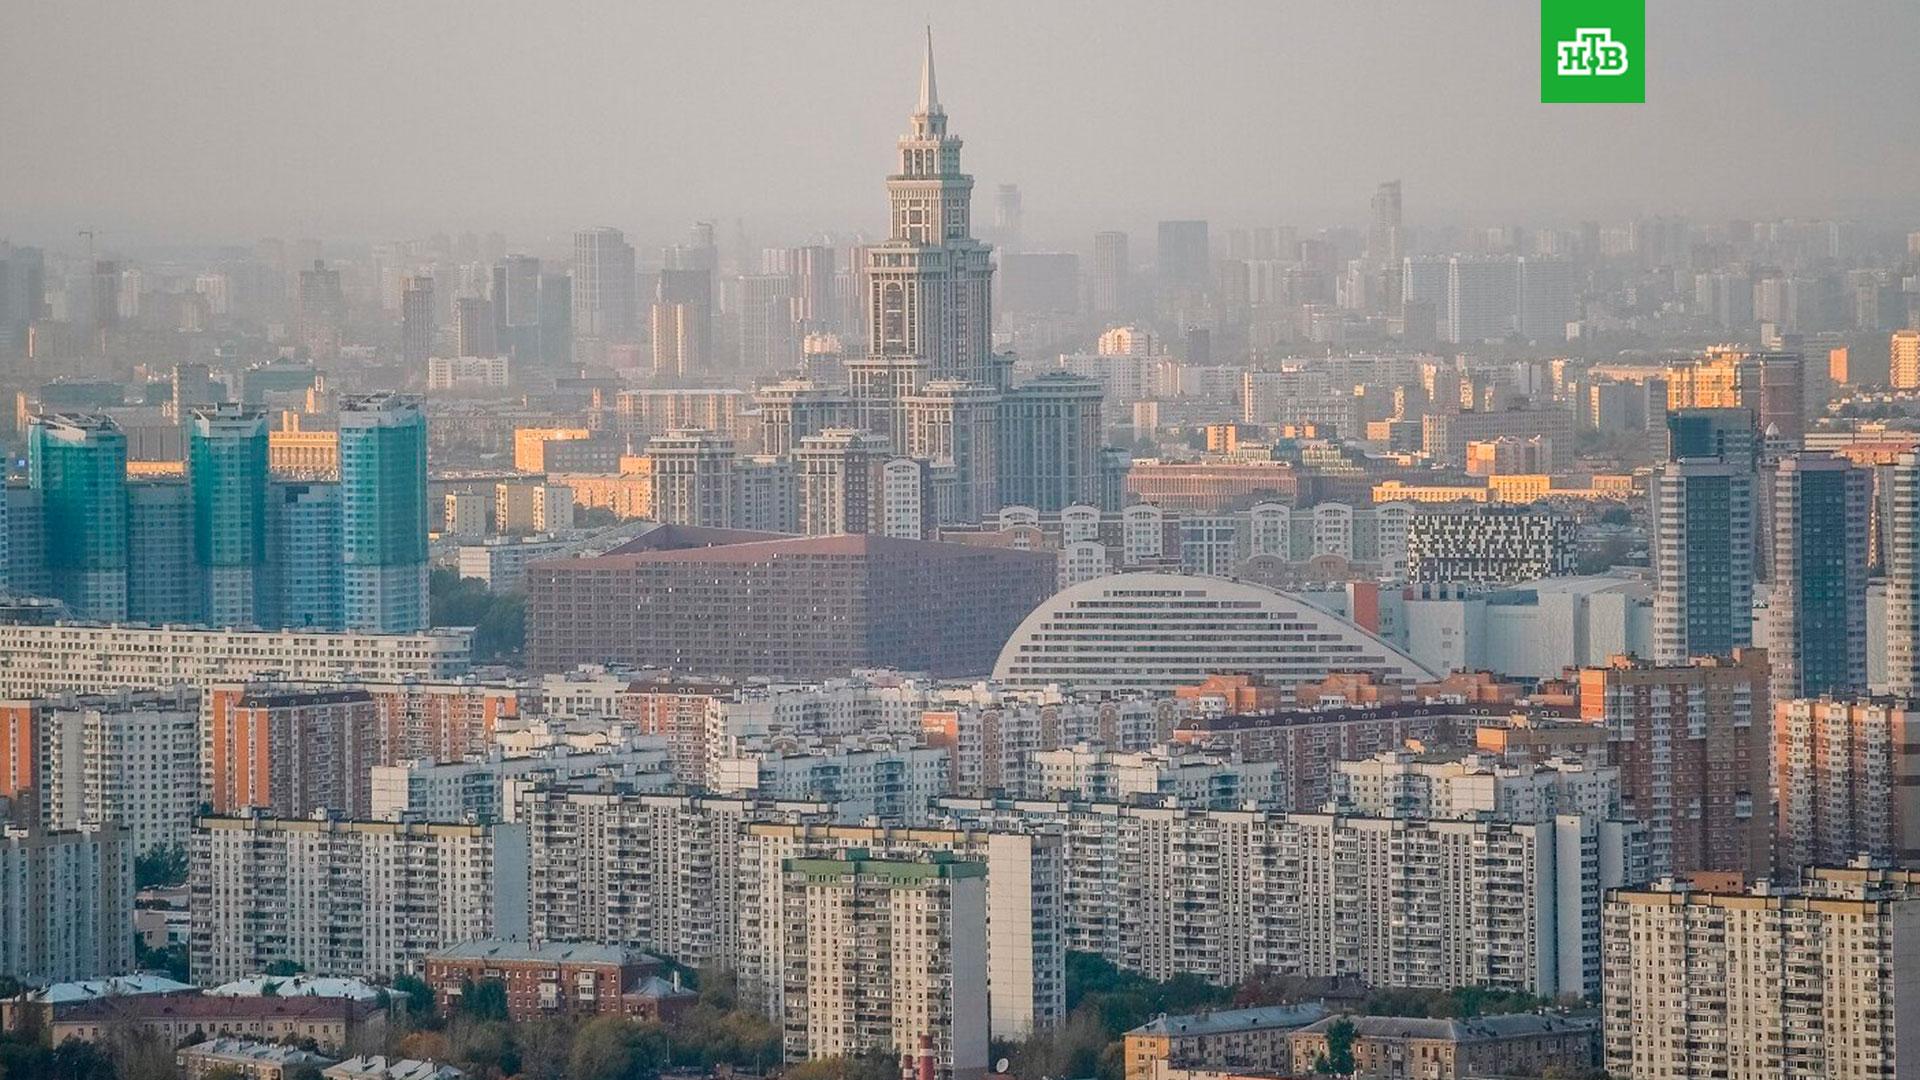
929 98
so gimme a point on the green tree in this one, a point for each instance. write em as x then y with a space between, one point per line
155 867
872 1065
483 1046
484 1000
1338 1059
417 998
546 1048
284 969
499 620
171 959
614 1048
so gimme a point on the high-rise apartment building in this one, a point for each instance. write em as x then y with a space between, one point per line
1112 282
792 409
882 955
94 658
1817 606
1025 942
418 323
1050 442
1703 552
639 415
603 290
1768 384
1182 258
693 481
766 497
907 500
78 463
1482 298
1769 982
622 868
1222 893
383 513
1691 743
1725 433
124 759
957 424
66 903
1847 776
556 320
682 323
768 337
1903 359
23 289
227 472
163 574
289 751
1547 298
1384 241
1900 501
515 294
305 541
327 913
812 271
839 482
476 332
320 311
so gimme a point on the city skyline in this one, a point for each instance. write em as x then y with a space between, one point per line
358 133
639 617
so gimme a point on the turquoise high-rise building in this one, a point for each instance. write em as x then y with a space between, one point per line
383 513
304 526
227 471
78 463
163 580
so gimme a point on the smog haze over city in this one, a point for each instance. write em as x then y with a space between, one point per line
202 121
1007 541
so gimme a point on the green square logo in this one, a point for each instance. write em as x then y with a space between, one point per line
1593 50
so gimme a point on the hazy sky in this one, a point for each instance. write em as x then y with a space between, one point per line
193 119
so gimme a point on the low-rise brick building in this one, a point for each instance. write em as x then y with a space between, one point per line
1518 1044
544 980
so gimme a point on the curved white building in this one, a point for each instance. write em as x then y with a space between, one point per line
1159 631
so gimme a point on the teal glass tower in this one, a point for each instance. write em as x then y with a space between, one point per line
227 472
79 465
383 513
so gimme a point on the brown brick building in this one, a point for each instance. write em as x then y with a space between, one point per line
1693 746
332 1023
728 602
1518 1044
543 980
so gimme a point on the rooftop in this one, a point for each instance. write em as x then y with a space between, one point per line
1351 714
256 1053
298 986
1478 1029
1232 1020
67 993
555 952
677 543
377 1067
201 1007
653 986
